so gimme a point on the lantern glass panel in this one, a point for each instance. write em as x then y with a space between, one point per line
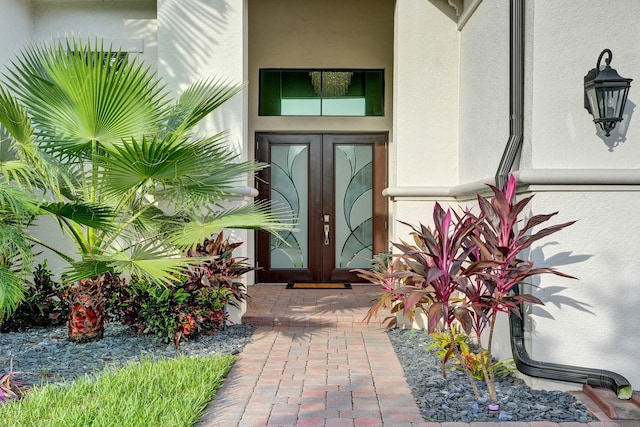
611 103
593 102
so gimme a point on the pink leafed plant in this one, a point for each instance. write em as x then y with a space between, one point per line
10 389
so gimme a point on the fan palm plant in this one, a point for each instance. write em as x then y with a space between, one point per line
133 183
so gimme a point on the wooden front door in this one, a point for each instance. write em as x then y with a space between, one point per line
333 183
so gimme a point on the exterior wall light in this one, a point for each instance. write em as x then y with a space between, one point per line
605 94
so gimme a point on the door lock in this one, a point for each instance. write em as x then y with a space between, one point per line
327 227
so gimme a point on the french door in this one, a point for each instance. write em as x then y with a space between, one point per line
333 183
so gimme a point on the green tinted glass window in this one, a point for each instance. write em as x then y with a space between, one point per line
321 92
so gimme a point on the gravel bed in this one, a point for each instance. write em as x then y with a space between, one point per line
453 400
44 355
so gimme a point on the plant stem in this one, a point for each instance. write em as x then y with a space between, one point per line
486 363
463 362
489 377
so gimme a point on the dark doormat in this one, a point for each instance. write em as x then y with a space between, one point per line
318 286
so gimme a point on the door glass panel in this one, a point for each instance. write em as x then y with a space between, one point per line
289 187
353 205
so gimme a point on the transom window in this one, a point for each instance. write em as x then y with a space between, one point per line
344 92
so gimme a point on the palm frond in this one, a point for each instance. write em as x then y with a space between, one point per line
15 252
15 203
76 96
149 162
256 216
78 270
200 99
15 170
20 160
12 292
186 173
218 172
150 260
15 122
91 215
53 247
15 266
147 218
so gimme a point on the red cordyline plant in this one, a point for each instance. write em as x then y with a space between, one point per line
220 269
465 269
500 239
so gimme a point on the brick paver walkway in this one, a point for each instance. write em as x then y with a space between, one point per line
313 362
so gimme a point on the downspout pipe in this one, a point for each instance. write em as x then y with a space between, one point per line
516 92
523 362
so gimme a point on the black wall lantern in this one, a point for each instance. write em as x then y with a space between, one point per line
605 94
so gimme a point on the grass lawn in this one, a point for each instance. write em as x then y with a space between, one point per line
164 392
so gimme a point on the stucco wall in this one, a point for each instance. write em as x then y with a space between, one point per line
484 90
15 27
129 25
566 43
205 39
425 98
425 94
593 321
561 47
201 39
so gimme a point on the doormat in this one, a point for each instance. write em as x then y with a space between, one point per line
318 286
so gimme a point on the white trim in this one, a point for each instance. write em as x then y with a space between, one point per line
537 180
437 192
579 176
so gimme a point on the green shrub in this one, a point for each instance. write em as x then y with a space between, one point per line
169 312
472 357
191 305
43 304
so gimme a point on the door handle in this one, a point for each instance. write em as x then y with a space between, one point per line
327 228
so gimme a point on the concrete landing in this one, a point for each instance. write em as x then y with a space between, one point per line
605 405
